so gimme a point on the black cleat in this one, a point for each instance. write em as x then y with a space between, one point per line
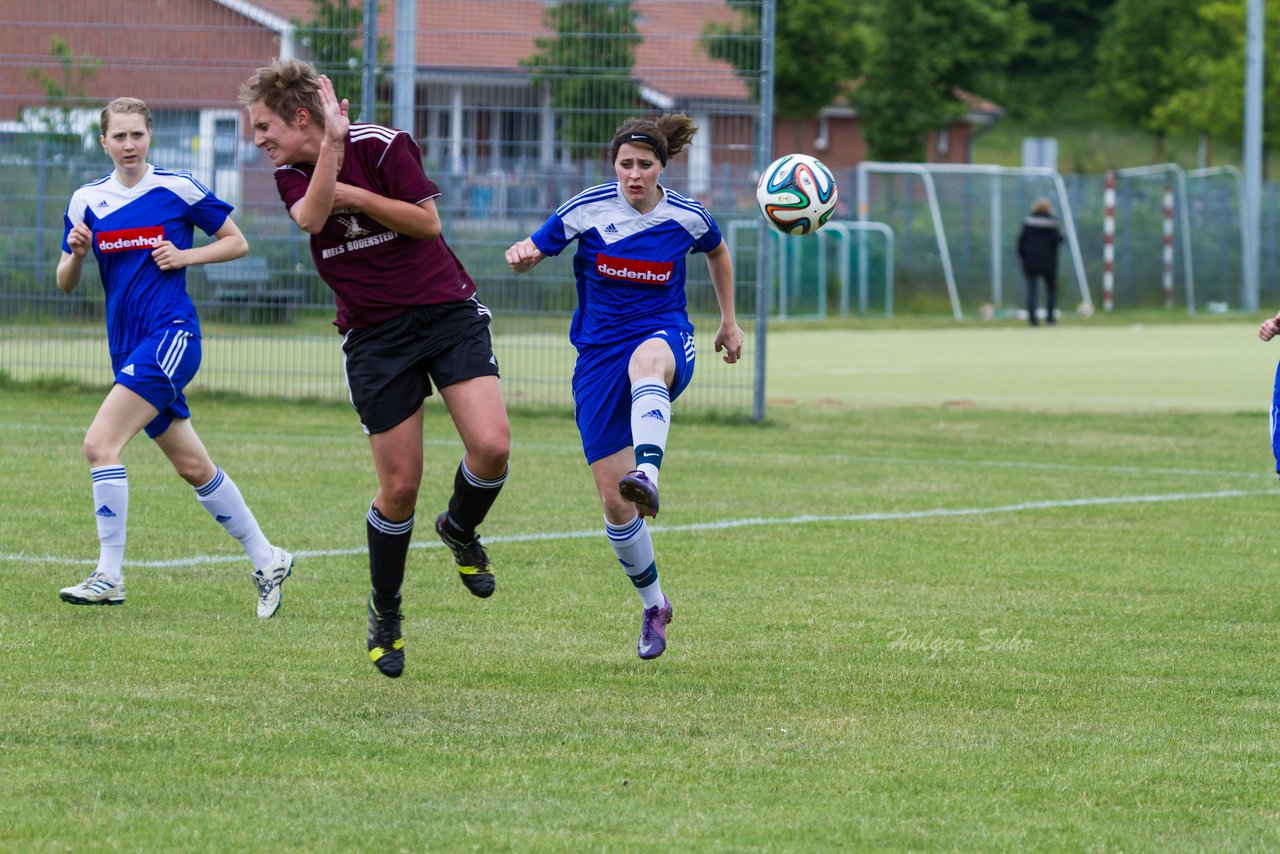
472 560
386 647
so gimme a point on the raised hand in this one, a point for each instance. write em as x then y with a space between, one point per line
336 120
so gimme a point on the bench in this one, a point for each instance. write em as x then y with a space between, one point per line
244 287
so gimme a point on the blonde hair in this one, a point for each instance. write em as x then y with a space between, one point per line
672 131
1042 207
124 106
285 86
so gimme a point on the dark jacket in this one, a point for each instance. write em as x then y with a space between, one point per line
1038 245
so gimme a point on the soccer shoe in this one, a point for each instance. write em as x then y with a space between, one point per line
270 580
653 630
639 490
472 560
97 589
386 647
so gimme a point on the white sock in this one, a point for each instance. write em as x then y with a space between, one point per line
221 497
650 423
634 547
111 511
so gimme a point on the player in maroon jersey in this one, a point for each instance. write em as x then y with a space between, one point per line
408 315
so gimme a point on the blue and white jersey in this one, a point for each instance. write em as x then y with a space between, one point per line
629 267
127 224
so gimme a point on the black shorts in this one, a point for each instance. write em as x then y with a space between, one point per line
391 366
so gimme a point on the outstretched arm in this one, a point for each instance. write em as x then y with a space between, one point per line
313 209
524 256
729 336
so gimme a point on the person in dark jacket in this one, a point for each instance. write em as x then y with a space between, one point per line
1038 251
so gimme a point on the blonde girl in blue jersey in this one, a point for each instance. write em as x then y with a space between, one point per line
632 333
139 221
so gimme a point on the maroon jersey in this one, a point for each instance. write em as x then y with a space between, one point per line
377 273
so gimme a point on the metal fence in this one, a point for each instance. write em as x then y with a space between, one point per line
512 102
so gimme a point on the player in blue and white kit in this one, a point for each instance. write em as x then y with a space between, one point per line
1269 329
140 220
632 333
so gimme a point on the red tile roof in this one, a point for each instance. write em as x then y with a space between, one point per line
494 35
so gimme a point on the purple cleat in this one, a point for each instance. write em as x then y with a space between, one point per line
639 490
653 630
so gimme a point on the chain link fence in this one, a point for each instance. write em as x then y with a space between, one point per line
513 104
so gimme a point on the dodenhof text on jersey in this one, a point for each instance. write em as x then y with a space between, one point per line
632 270
126 239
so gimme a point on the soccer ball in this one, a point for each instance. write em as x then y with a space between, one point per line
796 194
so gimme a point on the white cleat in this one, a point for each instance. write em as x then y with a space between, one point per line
270 580
97 589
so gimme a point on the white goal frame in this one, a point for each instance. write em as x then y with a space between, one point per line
926 171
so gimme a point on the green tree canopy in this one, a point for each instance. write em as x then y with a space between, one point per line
334 42
922 53
1208 96
66 90
587 66
1143 57
1043 83
818 47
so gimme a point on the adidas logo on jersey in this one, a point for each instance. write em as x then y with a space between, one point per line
127 370
610 229
103 204
105 512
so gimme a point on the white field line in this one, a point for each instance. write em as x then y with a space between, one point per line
750 522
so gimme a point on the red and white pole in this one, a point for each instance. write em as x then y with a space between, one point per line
1109 243
1168 245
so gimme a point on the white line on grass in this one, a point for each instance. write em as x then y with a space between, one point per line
750 522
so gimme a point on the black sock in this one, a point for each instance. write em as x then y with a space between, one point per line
472 497
388 547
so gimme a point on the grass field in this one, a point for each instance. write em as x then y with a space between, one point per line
967 589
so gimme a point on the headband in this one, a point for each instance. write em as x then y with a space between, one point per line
658 148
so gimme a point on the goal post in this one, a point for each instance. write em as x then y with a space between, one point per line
1177 176
926 172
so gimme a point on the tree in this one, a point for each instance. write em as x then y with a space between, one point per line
334 39
587 66
922 53
1143 57
1208 97
818 47
1044 81
68 90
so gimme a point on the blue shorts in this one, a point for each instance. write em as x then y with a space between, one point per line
602 390
158 370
